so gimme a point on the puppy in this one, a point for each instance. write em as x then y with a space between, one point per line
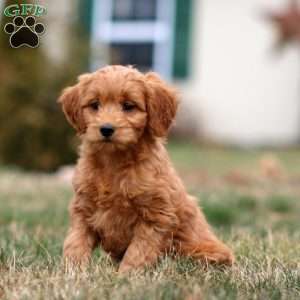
128 197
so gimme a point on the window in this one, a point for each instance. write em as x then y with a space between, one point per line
138 32
149 34
137 54
134 10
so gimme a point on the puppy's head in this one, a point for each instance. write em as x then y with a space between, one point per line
117 106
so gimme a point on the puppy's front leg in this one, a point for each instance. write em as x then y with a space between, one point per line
80 241
78 245
144 248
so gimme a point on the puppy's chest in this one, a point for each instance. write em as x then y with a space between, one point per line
114 214
112 193
116 190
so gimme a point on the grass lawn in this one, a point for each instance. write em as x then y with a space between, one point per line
256 213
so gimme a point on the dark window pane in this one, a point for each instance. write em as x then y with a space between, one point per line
134 9
122 9
139 55
145 9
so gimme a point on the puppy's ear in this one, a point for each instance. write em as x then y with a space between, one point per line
71 108
161 105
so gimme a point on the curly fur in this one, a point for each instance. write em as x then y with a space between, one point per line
128 197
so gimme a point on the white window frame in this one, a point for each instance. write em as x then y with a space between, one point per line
160 32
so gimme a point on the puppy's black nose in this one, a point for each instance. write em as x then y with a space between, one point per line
107 130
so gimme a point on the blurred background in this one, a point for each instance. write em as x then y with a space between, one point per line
235 143
236 64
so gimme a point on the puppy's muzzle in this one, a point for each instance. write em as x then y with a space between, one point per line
107 130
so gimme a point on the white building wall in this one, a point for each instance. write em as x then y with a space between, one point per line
58 20
244 93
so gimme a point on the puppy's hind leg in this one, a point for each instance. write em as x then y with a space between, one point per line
211 251
197 240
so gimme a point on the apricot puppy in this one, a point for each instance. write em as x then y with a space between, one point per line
128 198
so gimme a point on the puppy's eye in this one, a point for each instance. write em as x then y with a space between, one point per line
94 105
128 106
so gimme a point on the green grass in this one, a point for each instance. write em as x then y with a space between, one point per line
260 221
218 160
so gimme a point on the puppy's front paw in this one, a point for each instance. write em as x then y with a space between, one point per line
125 268
74 261
75 256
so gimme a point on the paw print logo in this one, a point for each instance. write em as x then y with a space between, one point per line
24 32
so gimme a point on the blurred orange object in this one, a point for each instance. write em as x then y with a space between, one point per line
271 167
288 23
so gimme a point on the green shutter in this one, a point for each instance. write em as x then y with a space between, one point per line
85 8
182 38
84 30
